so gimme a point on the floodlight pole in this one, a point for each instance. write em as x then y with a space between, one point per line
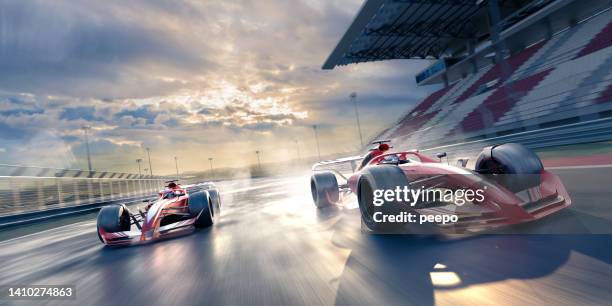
212 171
316 134
138 161
353 97
176 165
297 146
86 129
258 160
149 156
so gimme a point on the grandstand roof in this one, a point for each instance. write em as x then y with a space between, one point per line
405 29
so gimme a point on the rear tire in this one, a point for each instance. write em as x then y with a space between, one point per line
512 165
112 219
200 206
324 189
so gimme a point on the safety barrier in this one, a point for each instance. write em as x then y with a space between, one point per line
26 189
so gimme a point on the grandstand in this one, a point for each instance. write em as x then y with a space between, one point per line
513 69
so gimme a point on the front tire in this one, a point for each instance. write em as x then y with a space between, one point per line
215 198
112 219
324 189
200 206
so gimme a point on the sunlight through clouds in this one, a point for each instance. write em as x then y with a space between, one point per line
216 76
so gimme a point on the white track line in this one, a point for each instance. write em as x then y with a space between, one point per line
579 167
46 230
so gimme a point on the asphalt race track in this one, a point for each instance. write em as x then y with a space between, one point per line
273 247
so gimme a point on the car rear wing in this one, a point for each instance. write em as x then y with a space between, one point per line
340 166
199 186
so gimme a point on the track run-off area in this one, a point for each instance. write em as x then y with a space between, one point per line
272 246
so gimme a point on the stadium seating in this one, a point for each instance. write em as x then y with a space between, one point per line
413 124
601 41
606 95
430 100
498 103
562 88
567 76
497 72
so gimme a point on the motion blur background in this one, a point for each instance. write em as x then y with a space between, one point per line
101 102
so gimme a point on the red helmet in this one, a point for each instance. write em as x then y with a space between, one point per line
383 147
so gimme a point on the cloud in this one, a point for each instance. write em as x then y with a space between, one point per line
20 112
243 115
187 77
92 48
143 112
80 112
43 149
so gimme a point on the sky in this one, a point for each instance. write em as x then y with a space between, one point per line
191 79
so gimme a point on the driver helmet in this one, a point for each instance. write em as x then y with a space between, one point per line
383 147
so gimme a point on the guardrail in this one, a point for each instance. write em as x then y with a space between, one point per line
34 171
47 214
25 189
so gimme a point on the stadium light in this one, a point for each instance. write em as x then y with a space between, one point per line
212 171
138 161
176 165
258 160
297 146
316 134
86 129
353 97
149 156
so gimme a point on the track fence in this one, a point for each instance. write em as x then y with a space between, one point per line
26 189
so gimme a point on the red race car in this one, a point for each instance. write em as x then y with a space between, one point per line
176 210
408 190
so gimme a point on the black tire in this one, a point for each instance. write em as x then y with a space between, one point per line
380 177
512 165
324 189
112 219
200 206
215 198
